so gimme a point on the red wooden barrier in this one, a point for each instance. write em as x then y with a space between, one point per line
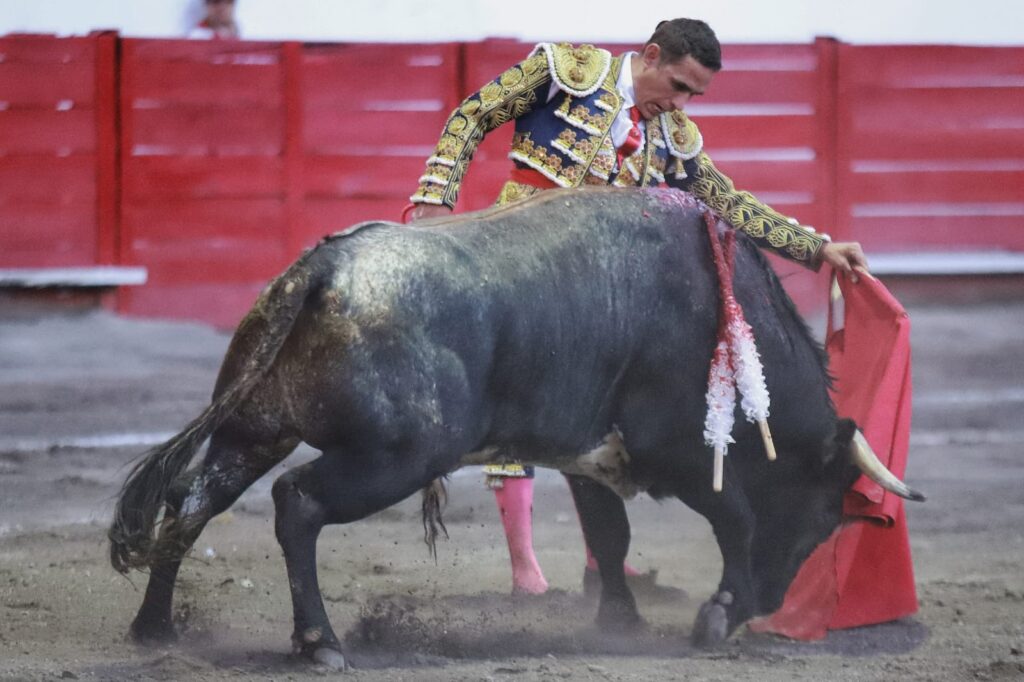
214 163
931 147
203 205
371 116
56 151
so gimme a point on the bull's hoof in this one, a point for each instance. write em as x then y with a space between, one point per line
619 617
148 633
320 649
712 624
330 658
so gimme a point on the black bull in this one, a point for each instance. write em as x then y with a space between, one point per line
581 322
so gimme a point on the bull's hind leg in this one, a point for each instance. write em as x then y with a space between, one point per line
336 488
606 531
232 463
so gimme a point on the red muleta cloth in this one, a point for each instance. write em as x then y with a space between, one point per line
863 574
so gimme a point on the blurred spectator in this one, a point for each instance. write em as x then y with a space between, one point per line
218 22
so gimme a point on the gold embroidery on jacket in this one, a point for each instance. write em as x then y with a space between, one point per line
681 135
579 71
656 169
580 151
513 191
604 161
509 96
527 152
579 116
744 212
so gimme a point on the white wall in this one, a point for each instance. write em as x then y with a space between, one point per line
982 22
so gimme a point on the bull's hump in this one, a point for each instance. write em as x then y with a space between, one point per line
392 269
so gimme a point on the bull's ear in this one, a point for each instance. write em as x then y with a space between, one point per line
845 428
839 449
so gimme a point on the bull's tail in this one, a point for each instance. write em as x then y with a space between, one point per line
258 339
435 496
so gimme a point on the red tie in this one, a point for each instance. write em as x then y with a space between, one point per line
633 138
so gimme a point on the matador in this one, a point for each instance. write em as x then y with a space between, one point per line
584 116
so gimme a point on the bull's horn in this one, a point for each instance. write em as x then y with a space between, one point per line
867 461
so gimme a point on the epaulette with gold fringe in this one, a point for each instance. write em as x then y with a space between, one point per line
682 138
577 70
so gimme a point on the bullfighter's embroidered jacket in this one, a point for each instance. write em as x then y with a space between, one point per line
567 139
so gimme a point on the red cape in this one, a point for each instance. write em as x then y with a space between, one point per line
863 573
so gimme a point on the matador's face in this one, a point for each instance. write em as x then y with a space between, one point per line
666 86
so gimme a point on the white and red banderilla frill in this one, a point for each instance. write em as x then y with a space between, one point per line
735 362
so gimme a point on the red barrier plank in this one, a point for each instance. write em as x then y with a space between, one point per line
757 132
968 183
362 133
45 49
768 57
953 111
761 87
427 96
369 56
364 177
214 260
175 221
38 235
47 132
148 178
934 146
52 180
346 77
923 233
221 51
48 84
202 83
914 66
207 130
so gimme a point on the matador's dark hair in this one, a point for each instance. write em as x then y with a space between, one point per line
678 38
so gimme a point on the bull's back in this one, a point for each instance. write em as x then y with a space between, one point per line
530 320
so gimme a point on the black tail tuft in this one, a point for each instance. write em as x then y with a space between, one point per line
435 497
258 339
132 533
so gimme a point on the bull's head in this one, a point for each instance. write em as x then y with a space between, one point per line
804 506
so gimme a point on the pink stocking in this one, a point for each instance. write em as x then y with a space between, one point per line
515 501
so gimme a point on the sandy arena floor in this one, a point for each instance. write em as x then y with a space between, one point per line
82 393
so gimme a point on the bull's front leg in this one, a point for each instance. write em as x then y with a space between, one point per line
606 532
732 521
